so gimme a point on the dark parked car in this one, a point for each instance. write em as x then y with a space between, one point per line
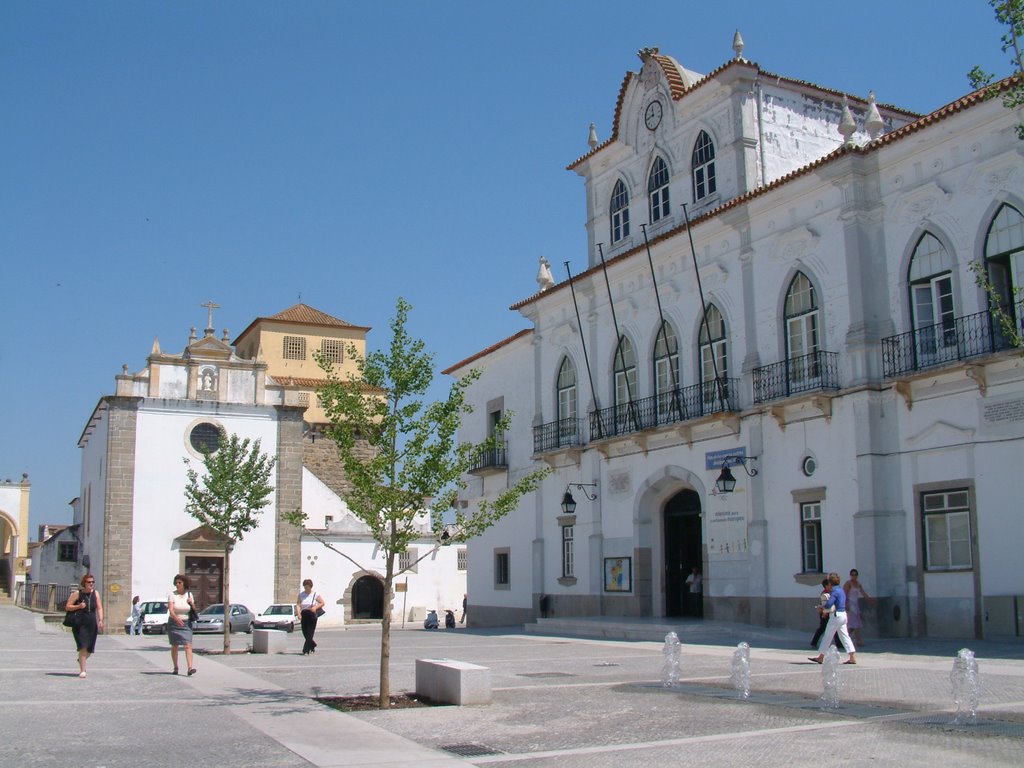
211 619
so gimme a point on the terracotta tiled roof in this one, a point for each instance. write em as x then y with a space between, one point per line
678 90
676 86
305 314
311 383
921 123
482 353
302 314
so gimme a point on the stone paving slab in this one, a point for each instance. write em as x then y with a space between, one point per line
558 701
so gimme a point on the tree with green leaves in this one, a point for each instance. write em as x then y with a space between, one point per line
229 497
401 458
1010 14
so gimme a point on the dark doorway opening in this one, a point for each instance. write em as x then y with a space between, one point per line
368 598
684 549
205 575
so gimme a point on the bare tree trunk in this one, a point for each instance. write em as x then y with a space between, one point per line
385 636
227 601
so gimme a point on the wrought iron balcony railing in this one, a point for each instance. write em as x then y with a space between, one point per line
805 373
490 460
665 408
947 342
564 433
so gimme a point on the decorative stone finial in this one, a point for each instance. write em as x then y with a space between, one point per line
156 346
873 123
224 338
124 369
737 45
847 126
192 335
544 278
592 138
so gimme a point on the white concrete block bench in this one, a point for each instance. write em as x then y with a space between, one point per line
446 681
269 640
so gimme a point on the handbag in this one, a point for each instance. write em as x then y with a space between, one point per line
193 616
320 612
71 619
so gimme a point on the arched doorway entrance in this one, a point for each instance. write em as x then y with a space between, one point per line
684 549
368 598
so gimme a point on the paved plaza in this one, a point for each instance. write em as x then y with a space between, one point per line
558 701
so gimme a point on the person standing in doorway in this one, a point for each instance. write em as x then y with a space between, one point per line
309 604
854 592
695 585
87 604
836 622
465 603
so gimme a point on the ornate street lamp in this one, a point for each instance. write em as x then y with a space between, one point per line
726 482
569 503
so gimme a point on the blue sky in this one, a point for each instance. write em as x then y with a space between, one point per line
156 155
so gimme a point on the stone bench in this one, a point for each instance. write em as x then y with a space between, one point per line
446 681
269 640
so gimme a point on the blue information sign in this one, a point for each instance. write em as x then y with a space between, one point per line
730 456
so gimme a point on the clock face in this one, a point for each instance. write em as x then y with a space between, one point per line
652 117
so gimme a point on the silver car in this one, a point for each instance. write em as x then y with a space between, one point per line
211 619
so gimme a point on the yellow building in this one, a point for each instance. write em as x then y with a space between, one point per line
287 342
13 532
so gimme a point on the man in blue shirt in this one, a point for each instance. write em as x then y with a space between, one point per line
836 610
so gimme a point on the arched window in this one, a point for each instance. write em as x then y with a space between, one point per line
802 329
931 301
703 163
1004 257
565 392
657 190
666 374
625 385
713 356
619 209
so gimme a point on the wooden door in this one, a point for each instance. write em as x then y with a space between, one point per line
206 574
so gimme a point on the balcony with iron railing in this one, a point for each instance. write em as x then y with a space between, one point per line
490 460
555 435
805 373
673 407
948 342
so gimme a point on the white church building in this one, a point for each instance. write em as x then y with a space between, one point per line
809 325
130 520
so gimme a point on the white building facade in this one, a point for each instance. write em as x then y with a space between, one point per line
847 370
131 522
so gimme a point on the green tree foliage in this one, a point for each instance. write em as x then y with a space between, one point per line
1010 14
229 497
401 457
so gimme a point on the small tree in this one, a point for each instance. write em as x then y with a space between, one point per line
229 497
413 464
1009 13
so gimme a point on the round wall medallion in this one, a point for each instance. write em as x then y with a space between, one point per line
809 465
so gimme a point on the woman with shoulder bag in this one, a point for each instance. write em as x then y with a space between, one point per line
85 604
179 629
310 605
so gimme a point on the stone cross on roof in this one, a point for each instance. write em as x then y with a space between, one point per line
210 306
